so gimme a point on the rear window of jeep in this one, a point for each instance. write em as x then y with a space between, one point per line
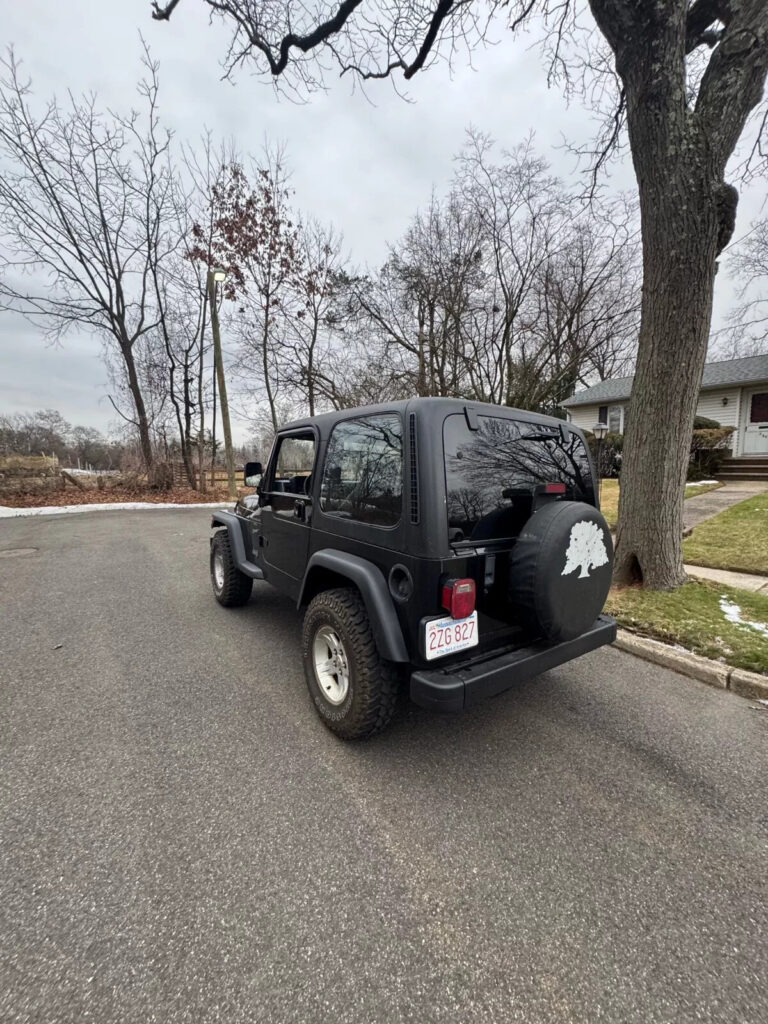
491 473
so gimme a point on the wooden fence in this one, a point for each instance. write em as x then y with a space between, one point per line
219 478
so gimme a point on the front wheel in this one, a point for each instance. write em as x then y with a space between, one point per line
354 691
231 587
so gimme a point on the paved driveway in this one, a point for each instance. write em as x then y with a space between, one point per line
183 841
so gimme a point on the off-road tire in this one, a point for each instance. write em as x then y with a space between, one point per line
236 587
373 683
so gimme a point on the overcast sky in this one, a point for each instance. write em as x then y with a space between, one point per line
364 166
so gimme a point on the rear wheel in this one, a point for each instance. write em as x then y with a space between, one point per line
354 691
231 587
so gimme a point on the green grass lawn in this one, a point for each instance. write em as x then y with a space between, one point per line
609 499
734 539
694 616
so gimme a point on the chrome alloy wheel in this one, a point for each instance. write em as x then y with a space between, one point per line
218 571
329 660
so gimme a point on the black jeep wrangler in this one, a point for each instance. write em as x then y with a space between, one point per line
452 546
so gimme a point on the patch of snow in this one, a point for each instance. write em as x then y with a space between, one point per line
106 506
701 483
732 612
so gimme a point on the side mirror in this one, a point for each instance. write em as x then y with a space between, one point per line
252 474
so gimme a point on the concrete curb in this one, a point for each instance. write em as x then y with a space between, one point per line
745 684
7 512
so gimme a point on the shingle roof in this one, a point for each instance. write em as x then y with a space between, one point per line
605 391
729 371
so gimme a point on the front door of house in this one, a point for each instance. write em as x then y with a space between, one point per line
756 434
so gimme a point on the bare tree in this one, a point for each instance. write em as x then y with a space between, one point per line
416 305
508 291
588 294
747 333
206 171
176 303
524 214
316 311
684 78
47 432
80 218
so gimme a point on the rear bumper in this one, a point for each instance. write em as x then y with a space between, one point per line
457 687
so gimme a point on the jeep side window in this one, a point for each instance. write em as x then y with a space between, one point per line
363 474
293 465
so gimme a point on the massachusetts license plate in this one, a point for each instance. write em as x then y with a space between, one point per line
447 636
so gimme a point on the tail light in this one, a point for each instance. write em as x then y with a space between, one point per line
554 488
458 598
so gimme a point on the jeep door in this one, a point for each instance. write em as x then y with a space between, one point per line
286 508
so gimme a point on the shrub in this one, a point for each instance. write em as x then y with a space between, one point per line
610 453
704 423
160 477
709 447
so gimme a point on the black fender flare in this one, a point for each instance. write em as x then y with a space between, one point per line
369 580
232 523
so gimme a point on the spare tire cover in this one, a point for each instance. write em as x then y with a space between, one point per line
560 570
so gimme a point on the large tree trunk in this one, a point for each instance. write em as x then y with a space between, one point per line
311 366
142 421
680 148
200 397
188 411
265 368
680 232
186 457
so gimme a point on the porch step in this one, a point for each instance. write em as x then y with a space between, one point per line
747 468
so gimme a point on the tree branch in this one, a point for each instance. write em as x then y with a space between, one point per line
163 13
442 11
732 84
305 43
701 16
372 46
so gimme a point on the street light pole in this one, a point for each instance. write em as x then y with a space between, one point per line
214 276
599 430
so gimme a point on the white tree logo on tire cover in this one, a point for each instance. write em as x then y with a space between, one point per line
586 549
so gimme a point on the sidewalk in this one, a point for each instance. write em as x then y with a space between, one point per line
740 580
704 506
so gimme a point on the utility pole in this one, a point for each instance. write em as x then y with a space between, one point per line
214 276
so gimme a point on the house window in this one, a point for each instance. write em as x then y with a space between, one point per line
602 414
758 409
614 419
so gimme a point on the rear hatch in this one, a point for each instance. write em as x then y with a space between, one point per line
499 469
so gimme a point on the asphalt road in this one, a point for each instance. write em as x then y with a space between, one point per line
182 840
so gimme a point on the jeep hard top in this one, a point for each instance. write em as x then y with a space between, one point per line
446 547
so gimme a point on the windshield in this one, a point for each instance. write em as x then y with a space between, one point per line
490 473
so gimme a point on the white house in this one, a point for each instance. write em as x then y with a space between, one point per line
734 392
